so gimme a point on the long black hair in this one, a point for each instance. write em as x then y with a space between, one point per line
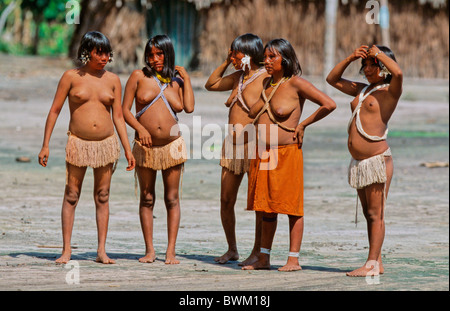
163 43
250 45
386 51
290 63
93 40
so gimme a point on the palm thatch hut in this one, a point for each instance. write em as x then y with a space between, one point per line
419 31
202 30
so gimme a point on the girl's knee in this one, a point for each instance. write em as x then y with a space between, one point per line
227 201
374 213
101 196
171 200
147 200
270 217
71 195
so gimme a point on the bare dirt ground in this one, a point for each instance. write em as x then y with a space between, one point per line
415 252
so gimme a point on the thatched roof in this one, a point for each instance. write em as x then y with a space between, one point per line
203 4
435 3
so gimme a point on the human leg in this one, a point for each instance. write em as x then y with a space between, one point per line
171 180
147 178
257 244
373 200
229 188
75 176
102 182
295 241
269 227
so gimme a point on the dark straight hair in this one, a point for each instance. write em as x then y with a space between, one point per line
163 43
386 51
290 63
250 45
94 40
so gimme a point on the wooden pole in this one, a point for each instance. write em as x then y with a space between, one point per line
384 23
5 14
330 39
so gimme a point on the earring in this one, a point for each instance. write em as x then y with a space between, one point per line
85 57
246 62
384 71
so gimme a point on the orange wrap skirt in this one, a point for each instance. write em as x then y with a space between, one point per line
275 181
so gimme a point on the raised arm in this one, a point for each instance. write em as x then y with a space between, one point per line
217 82
396 84
335 79
186 91
128 99
119 123
61 94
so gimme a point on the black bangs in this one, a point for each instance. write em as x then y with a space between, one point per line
251 45
94 40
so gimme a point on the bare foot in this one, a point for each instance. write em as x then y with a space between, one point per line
170 259
263 263
103 258
148 258
371 268
250 260
229 255
65 258
291 265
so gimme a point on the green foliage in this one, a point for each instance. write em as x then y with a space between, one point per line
50 9
55 38
14 48
54 33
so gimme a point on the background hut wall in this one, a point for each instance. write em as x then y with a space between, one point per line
419 33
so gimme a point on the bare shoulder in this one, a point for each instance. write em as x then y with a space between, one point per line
71 73
111 76
112 79
69 77
264 75
300 83
138 73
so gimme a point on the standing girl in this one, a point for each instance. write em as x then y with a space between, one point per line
371 167
94 95
158 144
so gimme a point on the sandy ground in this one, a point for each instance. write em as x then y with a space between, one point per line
415 252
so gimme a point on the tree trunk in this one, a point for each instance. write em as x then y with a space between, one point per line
122 25
35 43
